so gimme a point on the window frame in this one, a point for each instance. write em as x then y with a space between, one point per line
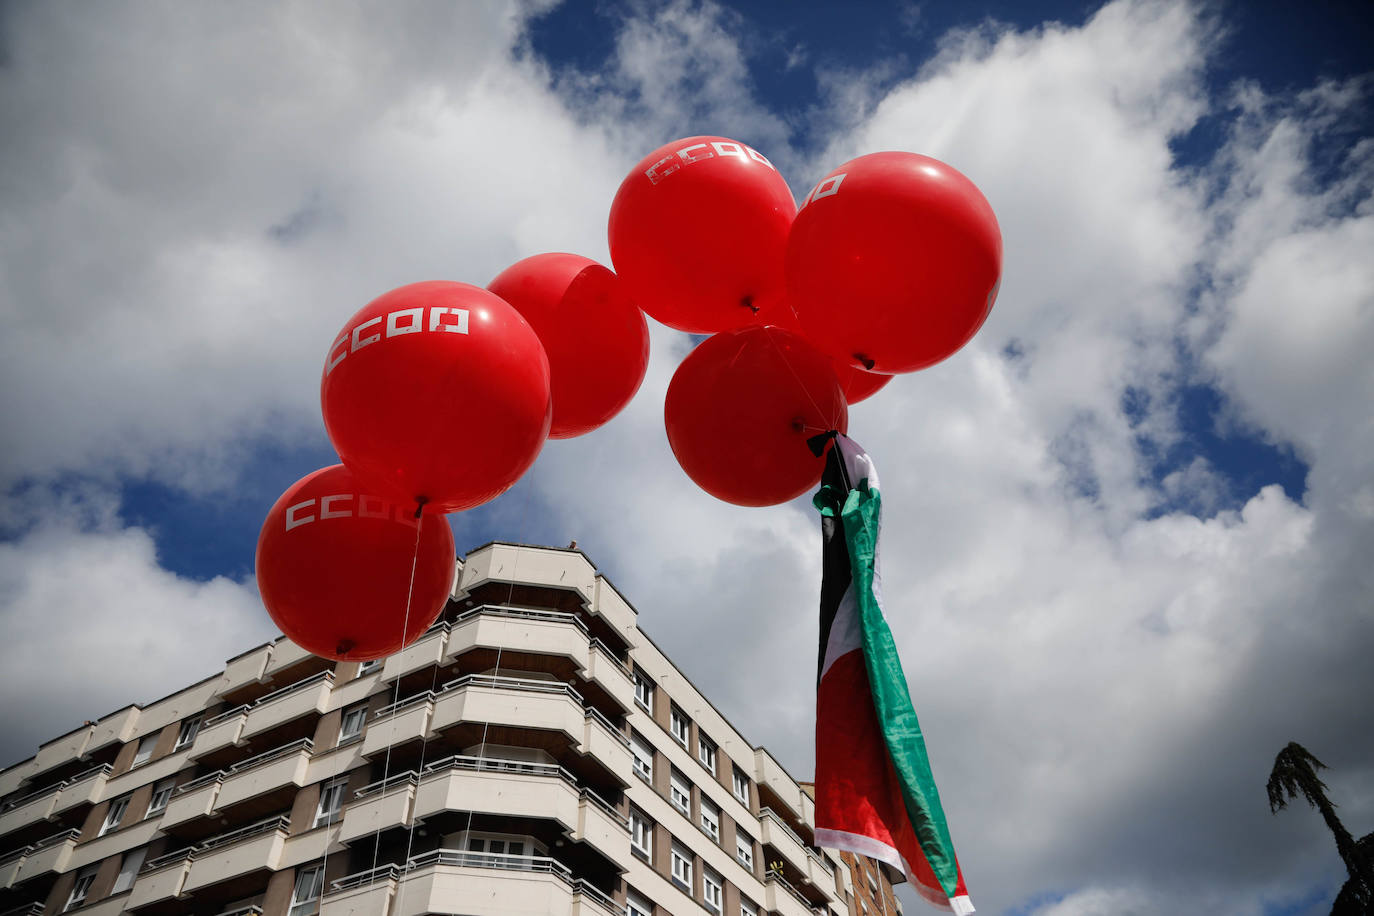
324 817
675 717
136 856
744 852
344 734
641 752
644 685
82 885
748 907
679 784
739 779
369 666
186 735
710 881
681 855
316 886
641 824
142 756
114 815
636 904
706 751
165 788
713 829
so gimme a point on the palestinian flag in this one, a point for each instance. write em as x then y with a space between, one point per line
875 794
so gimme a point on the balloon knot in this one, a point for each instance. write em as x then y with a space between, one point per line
344 647
798 424
748 302
420 505
868 363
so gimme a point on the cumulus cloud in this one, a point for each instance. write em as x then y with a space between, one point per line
1103 683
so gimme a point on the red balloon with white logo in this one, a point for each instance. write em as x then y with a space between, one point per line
334 567
740 409
595 336
698 230
437 393
893 262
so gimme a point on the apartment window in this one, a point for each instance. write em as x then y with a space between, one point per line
706 752
747 908
500 848
637 904
128 870
644 690
711 890
114 815
189 729
331 801
863 905
352 726
710 819
682 867
744 849
643 754
369 666
680 725
641 834
145 750
741 785
305 899
162 794
680 792
84 879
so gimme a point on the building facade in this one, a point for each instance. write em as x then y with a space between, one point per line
533 753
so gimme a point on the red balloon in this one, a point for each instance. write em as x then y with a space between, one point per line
740 409
893 262
856 383
595 336
437 392
698 230
334 567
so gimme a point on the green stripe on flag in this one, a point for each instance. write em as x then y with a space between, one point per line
891 699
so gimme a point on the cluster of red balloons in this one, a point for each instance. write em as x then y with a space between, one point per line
438 396
891 264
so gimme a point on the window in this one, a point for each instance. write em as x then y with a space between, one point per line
331 801
81 888
682 867
114 815
369 666
710 819
711 890
741 785
305 898
352 726
643 754
637 904
162 794
641 834
500 850
747 908
680 725
128 870
189 729
145 750
744 849
644 690
706 752
680 792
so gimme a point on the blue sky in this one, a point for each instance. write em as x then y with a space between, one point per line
1127 525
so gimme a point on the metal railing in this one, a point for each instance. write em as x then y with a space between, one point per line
251 910
596 715
382 785
607 808
796 895
104 768
364 878
496 764
25 909
169 858
506 610
611 656
286 750
502 682
33 796
395 708
225 716
587 889
280 822
201 782
292 688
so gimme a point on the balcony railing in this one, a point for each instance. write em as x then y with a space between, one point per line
533 685
774 877
285 750
586 889
525 768
606 807
505 610
227 714
201 782
383 785
170 858
253 910
56 838
400 705
280 822
291 688
25 909
594 713
33 796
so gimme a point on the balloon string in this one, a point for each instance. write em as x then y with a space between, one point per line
396 692
833 420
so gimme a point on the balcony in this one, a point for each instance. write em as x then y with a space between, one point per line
220 732
83 789
192 801
161 879
29 809
783 899
51 854
512 701
426 651
605 743
61 750
304 698
399 723
257 847
290 659
116 728
277 773
246 670
773 780
378 807
775 832
536 566
11 864
479 884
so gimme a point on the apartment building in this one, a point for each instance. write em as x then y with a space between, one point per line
533 753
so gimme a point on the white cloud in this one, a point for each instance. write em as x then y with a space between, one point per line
1102 690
